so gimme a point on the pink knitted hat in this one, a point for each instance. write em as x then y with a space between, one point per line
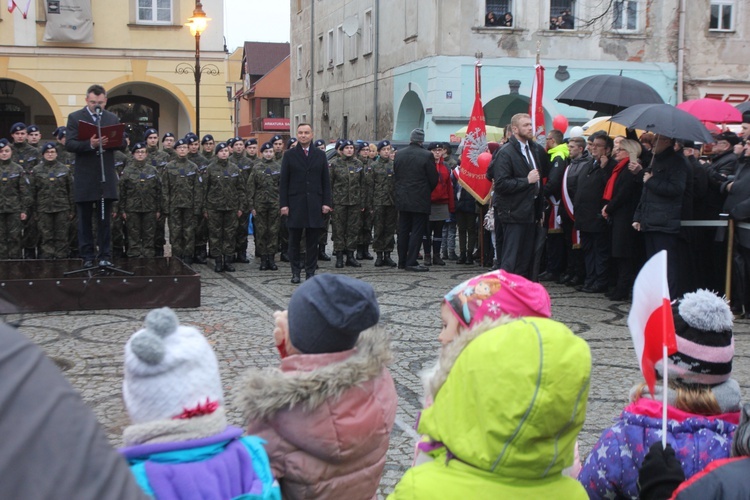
496 293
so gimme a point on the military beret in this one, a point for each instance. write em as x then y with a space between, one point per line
207 138
276 138
291 142
17 127
180 142
61 132
48 146
318 143
362 145
4 143
266 145
251 141
230 142
168 134
149 132
191 139
137 146
383 144
32 128
345 143
220 146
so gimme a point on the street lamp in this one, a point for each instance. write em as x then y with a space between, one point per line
197 24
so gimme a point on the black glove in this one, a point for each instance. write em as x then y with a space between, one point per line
660 474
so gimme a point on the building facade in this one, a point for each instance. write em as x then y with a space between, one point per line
371 69
131 47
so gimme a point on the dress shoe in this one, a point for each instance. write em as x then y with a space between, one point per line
105 263
417 268
452 255
564 279
437 261
594 289
575 281
322 255
88 263
548 276
295 279
461 259
309 276
619 295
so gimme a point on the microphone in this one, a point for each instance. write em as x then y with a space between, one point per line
98 110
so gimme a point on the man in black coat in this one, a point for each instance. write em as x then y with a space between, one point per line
518 168
416 177
304 197
89 188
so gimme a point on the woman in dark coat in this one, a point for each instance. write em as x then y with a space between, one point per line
621 195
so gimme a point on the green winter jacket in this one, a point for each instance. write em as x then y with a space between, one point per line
508 403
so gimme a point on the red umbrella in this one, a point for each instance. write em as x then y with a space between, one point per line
711 110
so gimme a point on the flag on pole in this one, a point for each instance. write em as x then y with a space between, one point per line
12 5
650 320
473 177
536 108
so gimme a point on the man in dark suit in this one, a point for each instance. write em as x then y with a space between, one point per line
304 197
518 168
416 177
89 188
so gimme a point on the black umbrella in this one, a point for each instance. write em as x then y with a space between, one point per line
745 106
608 93
664 119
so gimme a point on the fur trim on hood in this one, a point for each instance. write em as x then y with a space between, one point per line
434 377
261 393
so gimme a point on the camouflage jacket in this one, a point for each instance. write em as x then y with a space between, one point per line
347 176
158 159
122 158
64 156
14 189
26 156
181 187
140 188
223 187
263 184
384 183
200 161
52 188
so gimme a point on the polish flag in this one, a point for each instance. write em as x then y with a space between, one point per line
12 5
536 106
650 320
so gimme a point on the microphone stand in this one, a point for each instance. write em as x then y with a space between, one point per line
107 269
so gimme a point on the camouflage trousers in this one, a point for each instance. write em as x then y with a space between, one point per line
222 229
201 232
10 235
53 230
141 233
323 239
240 245
119 241
346 222
385 222
266 223
160 236
365 231
30 237
182 232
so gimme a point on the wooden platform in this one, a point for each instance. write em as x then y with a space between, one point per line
40 286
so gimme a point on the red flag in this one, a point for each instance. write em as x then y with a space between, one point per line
536 108
12 5
473 177
650 320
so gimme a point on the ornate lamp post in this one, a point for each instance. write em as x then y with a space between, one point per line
197 24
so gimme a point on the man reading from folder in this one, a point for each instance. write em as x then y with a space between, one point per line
92 186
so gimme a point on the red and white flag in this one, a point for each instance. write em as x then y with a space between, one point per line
650 320
473 176
12 5
536 108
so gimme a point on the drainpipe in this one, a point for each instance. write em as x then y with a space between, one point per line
681 54
312 64
375 64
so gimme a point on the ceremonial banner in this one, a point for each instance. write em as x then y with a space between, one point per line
69 21
536 108
473 177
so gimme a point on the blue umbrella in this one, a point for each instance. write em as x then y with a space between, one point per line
665 120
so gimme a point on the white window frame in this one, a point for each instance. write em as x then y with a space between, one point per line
154 13
626 4
321 53
722 4
331 49
367 34
340 45
299 62
353 49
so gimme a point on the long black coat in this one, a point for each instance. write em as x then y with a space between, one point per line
87 185
620 209
737 204
305 187
588 201
660 207
416 177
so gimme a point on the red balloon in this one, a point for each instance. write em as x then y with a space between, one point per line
560 123
484 160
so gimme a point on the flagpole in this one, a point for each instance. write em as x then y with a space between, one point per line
664 396
478 95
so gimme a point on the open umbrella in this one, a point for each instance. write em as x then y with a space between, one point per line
606 124
493 133
711 110
664 119
608 93
744 106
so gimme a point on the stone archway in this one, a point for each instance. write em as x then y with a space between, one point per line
143 105
410 116
20 102
500 110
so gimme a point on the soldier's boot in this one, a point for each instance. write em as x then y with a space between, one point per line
263 263
219 264
242 255
427 259
436 260
388 261
339 260
200 255
271 264
350 260
284 257
360 252
366 252
228 264
452 255
322 255
469 259
379 260
462 258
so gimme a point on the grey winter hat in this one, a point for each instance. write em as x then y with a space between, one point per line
328 312
417 135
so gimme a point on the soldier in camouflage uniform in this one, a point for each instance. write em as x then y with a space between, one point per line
119 232
52 192
365 233
278 150
140 203
27 157
385 216
323 241
207 147
347 175
15 203
182 199
263 194
201 223
251 149
157 159
167 145
225 201
239 158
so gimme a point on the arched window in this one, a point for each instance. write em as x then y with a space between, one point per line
137 113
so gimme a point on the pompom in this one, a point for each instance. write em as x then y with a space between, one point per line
706 311
148 347
162 322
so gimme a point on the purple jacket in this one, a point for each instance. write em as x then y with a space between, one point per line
611 469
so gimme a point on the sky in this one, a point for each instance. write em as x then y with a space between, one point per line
254 21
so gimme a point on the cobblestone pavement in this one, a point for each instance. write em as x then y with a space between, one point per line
236 317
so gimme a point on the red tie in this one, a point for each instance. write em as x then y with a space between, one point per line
305 152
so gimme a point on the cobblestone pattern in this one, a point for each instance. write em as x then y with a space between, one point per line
236 318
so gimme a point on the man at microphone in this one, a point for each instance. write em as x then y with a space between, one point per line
89 188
